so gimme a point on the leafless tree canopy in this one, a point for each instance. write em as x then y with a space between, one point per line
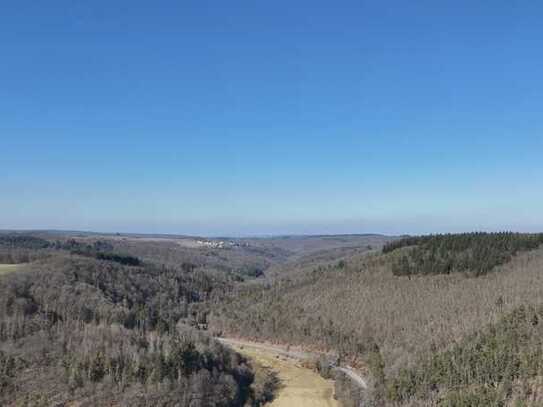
446 320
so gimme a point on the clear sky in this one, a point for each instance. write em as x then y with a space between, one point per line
251 117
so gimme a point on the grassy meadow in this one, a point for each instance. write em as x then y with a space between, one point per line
9 268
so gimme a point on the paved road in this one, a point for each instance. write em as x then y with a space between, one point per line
355 377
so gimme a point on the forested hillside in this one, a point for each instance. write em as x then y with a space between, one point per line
395 327
83 323
498 365
475 253
100 320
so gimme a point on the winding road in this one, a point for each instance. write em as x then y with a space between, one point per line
300 386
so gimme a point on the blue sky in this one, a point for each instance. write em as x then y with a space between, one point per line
249 117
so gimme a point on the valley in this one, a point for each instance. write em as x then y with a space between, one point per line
299 385
271 204
326 320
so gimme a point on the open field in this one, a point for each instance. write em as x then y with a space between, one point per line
299 386
8 268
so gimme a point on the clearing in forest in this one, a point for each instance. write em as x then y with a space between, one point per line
8 268
300 387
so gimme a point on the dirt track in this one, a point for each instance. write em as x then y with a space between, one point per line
300 387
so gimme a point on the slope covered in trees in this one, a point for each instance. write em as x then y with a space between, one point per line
474 253
97 320
86 326
500 364
388 325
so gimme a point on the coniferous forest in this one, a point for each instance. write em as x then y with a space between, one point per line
474 253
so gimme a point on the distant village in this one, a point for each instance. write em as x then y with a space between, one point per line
220 244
